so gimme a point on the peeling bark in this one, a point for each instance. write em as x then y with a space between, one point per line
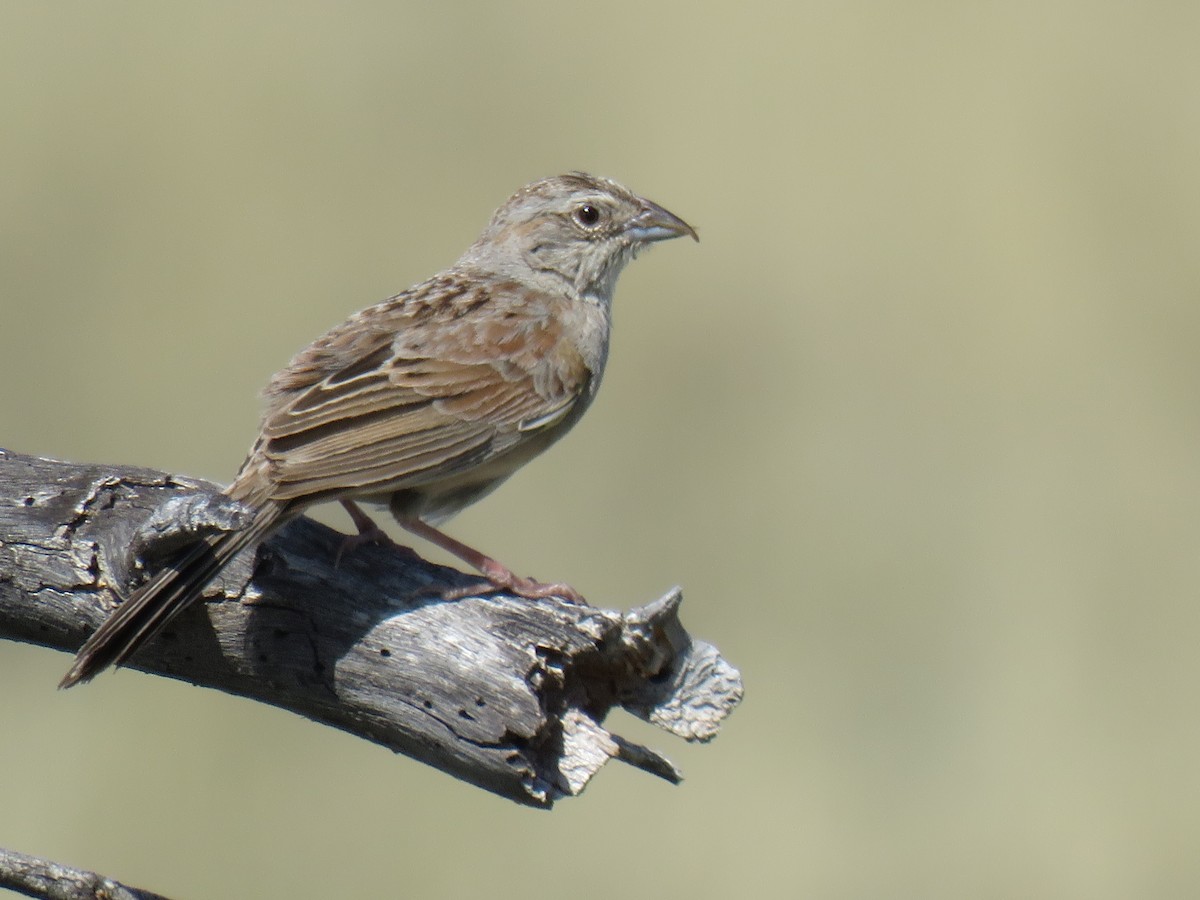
507 693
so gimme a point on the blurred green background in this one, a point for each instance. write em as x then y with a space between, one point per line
915 425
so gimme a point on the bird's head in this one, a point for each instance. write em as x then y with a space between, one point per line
577 230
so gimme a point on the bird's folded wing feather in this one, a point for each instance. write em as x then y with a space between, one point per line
417 395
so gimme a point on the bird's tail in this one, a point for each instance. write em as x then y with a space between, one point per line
166 594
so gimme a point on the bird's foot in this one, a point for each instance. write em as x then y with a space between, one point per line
367 533
501 578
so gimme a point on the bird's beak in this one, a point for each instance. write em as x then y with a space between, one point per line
654 223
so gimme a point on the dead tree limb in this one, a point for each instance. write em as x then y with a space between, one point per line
36 877
507 693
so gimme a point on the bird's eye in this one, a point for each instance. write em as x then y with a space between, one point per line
587 215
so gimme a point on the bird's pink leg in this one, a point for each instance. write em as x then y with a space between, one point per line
368 533
498 575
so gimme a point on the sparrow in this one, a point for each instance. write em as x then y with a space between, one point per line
426 402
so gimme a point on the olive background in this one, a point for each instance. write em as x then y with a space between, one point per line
915 425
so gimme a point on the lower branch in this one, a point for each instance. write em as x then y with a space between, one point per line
501 691
41 878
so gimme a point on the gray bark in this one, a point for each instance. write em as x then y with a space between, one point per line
506 693
36 877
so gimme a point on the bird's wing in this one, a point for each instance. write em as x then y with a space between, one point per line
421 388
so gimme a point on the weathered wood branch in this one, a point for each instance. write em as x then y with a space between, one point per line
36 877
507 693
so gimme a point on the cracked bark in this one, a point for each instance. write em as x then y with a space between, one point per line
36 877
506 693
